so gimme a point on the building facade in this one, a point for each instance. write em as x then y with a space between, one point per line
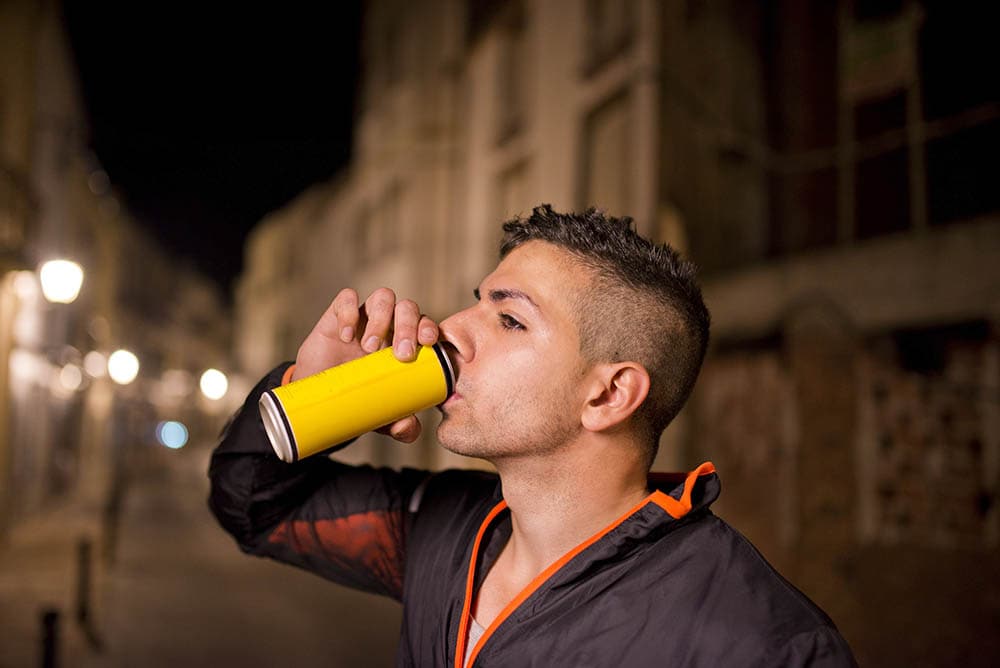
67 432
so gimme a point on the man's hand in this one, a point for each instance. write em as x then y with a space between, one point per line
349 330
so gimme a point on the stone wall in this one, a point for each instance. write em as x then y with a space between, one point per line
863 465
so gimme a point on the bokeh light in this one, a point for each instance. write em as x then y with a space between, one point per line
61 280
123 367
214 384
70 377
26 286
172 434
95 364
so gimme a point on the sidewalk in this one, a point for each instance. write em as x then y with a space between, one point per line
180 593
39 571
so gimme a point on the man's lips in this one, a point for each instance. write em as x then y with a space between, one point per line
454 397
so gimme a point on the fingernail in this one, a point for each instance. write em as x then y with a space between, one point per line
372 343
428 333
346 334
404 350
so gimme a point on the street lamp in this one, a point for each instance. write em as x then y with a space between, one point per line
123 367
61 280
214 384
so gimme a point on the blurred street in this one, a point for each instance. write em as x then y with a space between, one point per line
179 593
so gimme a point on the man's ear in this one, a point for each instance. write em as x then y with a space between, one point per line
616 391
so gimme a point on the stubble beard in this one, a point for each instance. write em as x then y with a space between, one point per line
510 429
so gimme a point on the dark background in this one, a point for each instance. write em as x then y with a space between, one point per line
207 120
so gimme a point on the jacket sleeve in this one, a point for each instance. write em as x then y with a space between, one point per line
345 523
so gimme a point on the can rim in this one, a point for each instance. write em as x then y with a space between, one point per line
278 430
449 370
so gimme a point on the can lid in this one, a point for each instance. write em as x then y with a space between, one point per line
446 366
278 430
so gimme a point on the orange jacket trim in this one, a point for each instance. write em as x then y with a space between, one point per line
673 507
463 627
678 509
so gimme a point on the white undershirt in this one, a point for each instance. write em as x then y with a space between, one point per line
475 633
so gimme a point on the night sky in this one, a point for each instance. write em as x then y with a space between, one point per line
204 122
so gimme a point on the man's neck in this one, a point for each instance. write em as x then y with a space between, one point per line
559 500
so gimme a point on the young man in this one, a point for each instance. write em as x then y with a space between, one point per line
581 347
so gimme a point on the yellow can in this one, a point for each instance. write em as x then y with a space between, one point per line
314 413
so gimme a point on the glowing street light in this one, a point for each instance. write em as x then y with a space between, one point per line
61 281
123 367
214 384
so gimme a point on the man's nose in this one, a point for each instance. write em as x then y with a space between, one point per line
456 332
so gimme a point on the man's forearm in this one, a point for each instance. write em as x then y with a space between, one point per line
252 490
345 523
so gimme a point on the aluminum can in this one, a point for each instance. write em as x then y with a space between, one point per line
312 414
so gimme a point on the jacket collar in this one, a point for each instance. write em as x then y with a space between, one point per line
680 493
673 497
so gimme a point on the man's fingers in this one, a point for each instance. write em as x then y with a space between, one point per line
405 325
328 344
427 332
379 308
337 314
406 430
345 305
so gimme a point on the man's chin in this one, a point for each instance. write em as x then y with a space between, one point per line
445 434
451 440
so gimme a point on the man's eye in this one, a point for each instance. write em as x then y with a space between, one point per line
507 322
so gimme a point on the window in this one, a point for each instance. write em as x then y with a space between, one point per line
928 403
512 76
924 116
606 165
379 226
882 180
512 192
609 31
961 104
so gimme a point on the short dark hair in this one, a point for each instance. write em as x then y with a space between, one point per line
646 307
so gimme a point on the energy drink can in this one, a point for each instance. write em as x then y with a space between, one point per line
314 413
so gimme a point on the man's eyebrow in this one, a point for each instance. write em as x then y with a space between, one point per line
502 294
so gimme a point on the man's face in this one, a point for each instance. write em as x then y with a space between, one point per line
517 355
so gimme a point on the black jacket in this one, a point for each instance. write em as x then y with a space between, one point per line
669 584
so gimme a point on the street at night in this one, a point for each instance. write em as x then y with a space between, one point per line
178 592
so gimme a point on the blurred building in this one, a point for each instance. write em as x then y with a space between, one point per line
836 187
827 165
67 430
